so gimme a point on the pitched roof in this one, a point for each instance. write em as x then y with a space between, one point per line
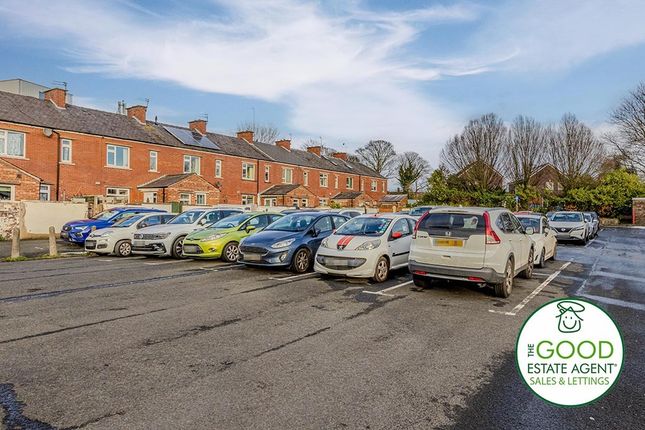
394 197
347 195
165 181
21 170
280 190
42 113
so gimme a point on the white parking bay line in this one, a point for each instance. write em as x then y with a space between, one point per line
289 278
534 293
167 262
384 291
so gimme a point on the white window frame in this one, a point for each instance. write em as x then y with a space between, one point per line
113 148
374 186
383 186
153 196
153 155
12 192
324 180
66 143
322 201
304 202
248 199
248 171
267 173
218 168
4 144
336 181
270 201
287 175
305 178
48 192
191 164
117 192
349 183
185 198
198 197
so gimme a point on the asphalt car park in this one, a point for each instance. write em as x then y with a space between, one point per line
108 342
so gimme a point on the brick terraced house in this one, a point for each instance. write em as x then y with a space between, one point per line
56 151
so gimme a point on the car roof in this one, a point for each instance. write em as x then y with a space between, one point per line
532 215
467 209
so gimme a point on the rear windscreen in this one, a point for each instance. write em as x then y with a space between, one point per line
452 224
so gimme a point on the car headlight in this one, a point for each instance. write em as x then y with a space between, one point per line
369 245
325 243
213 237
83 229
104 234
283 243
582 227
159 236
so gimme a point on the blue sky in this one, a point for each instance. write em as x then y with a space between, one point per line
412 72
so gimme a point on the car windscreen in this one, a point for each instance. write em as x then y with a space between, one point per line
452 224
364 227
293 222
231 221
566 217
105 215
128 220
530 222
189 217
419 211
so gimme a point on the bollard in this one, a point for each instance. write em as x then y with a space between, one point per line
53 248
15 243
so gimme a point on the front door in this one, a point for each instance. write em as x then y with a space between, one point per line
399 248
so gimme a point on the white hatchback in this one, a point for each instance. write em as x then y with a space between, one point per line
471 244
367 246
546 244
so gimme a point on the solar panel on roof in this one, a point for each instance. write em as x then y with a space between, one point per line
190 138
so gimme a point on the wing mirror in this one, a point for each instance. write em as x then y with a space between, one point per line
250 228
529 230
397 235
202 221
314 232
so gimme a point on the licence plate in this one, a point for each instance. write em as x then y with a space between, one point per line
90 244
449 242
191 249
138 243
252 257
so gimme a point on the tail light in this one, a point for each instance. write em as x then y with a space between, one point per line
491 237
416 226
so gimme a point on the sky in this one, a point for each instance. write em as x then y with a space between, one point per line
344 72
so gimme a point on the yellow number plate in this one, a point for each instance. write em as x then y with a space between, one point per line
449 242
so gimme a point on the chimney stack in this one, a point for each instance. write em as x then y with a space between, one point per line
315 150
246 135
198 125
137 112
284 144
341 155
56 96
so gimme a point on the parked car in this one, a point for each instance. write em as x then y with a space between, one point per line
471 244
222 239
350 213
117 238
298 210
167 239
368 246
593 221
570 226
543 235
291 241
77 231
418 211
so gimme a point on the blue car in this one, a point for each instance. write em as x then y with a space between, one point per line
291 241
77 231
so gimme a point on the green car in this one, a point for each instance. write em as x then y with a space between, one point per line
222 239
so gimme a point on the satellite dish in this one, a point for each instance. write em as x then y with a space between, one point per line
48 132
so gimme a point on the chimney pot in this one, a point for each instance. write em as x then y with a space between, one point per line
284 143
246 135
58 96
315 150
341 155
198 125
138 112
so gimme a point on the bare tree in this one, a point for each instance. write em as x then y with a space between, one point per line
574 151
266 133
477 154
629 121
526 150
379 155
411 168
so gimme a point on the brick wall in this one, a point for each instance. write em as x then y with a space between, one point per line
192 185
638 211
25 186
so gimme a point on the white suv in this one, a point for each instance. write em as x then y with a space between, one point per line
471 244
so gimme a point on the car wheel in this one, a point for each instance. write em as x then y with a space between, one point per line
541 262
231 252
123 248
528 272
382 270
301 261
504 288
421 281
178 247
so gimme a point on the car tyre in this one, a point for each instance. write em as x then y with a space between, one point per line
231 252
504 288
381 271
123 248
542 261
528 272
177 247
301 261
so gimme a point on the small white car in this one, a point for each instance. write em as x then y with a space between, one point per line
367 246
593 222
570 225
480 245
543 236
117 238
168 239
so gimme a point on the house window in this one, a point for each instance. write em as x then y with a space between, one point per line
287 176
150 197
267 173
384 190
305 177
362 185
374 186
65 151
336 181
6 192
200 199
152 163
350 183
44 193
270 201
12 143
324 178
323 201
248 171
121 194
118 156
184 198
303 203
218 168
248 199
191 164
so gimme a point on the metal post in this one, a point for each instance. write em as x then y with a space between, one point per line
15 243
53 248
